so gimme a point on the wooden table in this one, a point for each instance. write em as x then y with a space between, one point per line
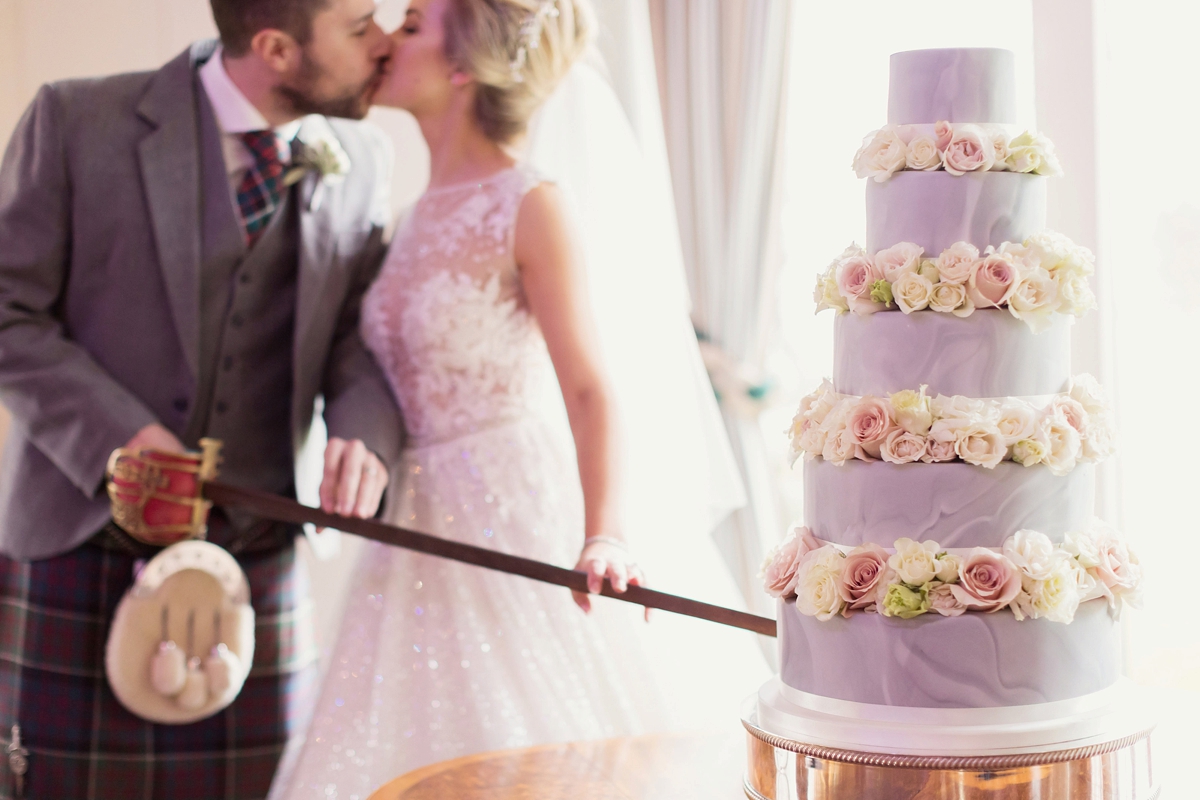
639 768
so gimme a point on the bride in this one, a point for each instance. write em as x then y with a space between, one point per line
481 319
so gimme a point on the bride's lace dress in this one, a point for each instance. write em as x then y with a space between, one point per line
436 660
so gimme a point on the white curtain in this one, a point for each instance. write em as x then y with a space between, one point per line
723 75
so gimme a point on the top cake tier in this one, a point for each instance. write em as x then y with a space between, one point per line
955 85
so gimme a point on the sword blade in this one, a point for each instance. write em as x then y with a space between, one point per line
281 509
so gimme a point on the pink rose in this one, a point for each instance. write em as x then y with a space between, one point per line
957 262
969 150
1072 411
943 132
987 581
856 277
941 443
897 260
1119 569
869 423
779 571
993 280
943 601
864 571
902 447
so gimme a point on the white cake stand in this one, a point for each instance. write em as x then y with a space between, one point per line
803 748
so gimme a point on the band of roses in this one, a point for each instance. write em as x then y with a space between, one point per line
1030 576
910 426
957 148
1046 273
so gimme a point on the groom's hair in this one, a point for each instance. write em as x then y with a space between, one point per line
239 20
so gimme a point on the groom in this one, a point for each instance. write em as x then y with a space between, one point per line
182 254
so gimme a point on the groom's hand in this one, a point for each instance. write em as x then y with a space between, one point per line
354 479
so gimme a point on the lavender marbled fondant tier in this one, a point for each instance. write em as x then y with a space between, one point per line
989 354
955 504
957 85
938 209
971 661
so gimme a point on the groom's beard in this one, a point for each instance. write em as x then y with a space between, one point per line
351 103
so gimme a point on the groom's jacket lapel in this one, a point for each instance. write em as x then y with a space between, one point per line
318 232
170 166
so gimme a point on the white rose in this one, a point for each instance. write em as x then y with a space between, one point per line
980 443
1083 547
1035 299
923 154
1099 438
959 407
899 259
818 583
1017 420
1063 444
1028 452
1054 597
957 262
828 295
840 444
882 154
970 150
912 411
902 447
1075 296
912 292
915 562
951 298
1088 392
948 567
1032 552
1000 145
1031 152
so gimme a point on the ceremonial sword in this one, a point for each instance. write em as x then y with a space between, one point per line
281 509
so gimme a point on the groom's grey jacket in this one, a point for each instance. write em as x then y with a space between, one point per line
120 259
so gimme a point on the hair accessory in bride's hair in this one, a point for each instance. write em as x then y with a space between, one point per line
530 35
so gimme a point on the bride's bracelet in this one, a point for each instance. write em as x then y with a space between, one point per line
621 543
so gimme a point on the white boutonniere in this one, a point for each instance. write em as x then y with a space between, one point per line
324 156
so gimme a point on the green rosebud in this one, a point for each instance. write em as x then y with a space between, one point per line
905 602
881 292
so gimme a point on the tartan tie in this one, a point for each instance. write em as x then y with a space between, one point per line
262 188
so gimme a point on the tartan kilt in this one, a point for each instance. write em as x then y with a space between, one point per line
82 743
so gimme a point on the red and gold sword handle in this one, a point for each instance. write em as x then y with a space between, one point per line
152 492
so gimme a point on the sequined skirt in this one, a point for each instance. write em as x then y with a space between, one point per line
437 660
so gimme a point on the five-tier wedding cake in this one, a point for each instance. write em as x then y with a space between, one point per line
950 591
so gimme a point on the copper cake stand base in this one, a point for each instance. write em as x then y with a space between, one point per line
784 769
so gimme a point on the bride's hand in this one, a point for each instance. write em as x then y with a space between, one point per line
602 559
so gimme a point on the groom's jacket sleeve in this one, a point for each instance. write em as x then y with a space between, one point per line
358 401
66 404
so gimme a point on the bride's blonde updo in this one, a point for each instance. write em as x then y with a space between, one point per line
517 51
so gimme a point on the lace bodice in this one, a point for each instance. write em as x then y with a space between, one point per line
447 317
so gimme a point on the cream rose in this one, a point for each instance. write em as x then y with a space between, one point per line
839 446
1035 299
923 154
987 581
981 444
993 281
911 411
1016 421
970 150
864 574
778 572
1031 552
1028 452
915 563
1063 444
882 154
1031 152
826 294
1054 597
1075 296
1089 393
856 277
902 447
951 298
1000 147
912 292
959 408
870 422
818 583
1098 442
899 259
943 601
957 262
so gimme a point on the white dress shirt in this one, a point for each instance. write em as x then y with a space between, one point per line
235 115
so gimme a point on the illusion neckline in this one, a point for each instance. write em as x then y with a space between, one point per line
476 183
